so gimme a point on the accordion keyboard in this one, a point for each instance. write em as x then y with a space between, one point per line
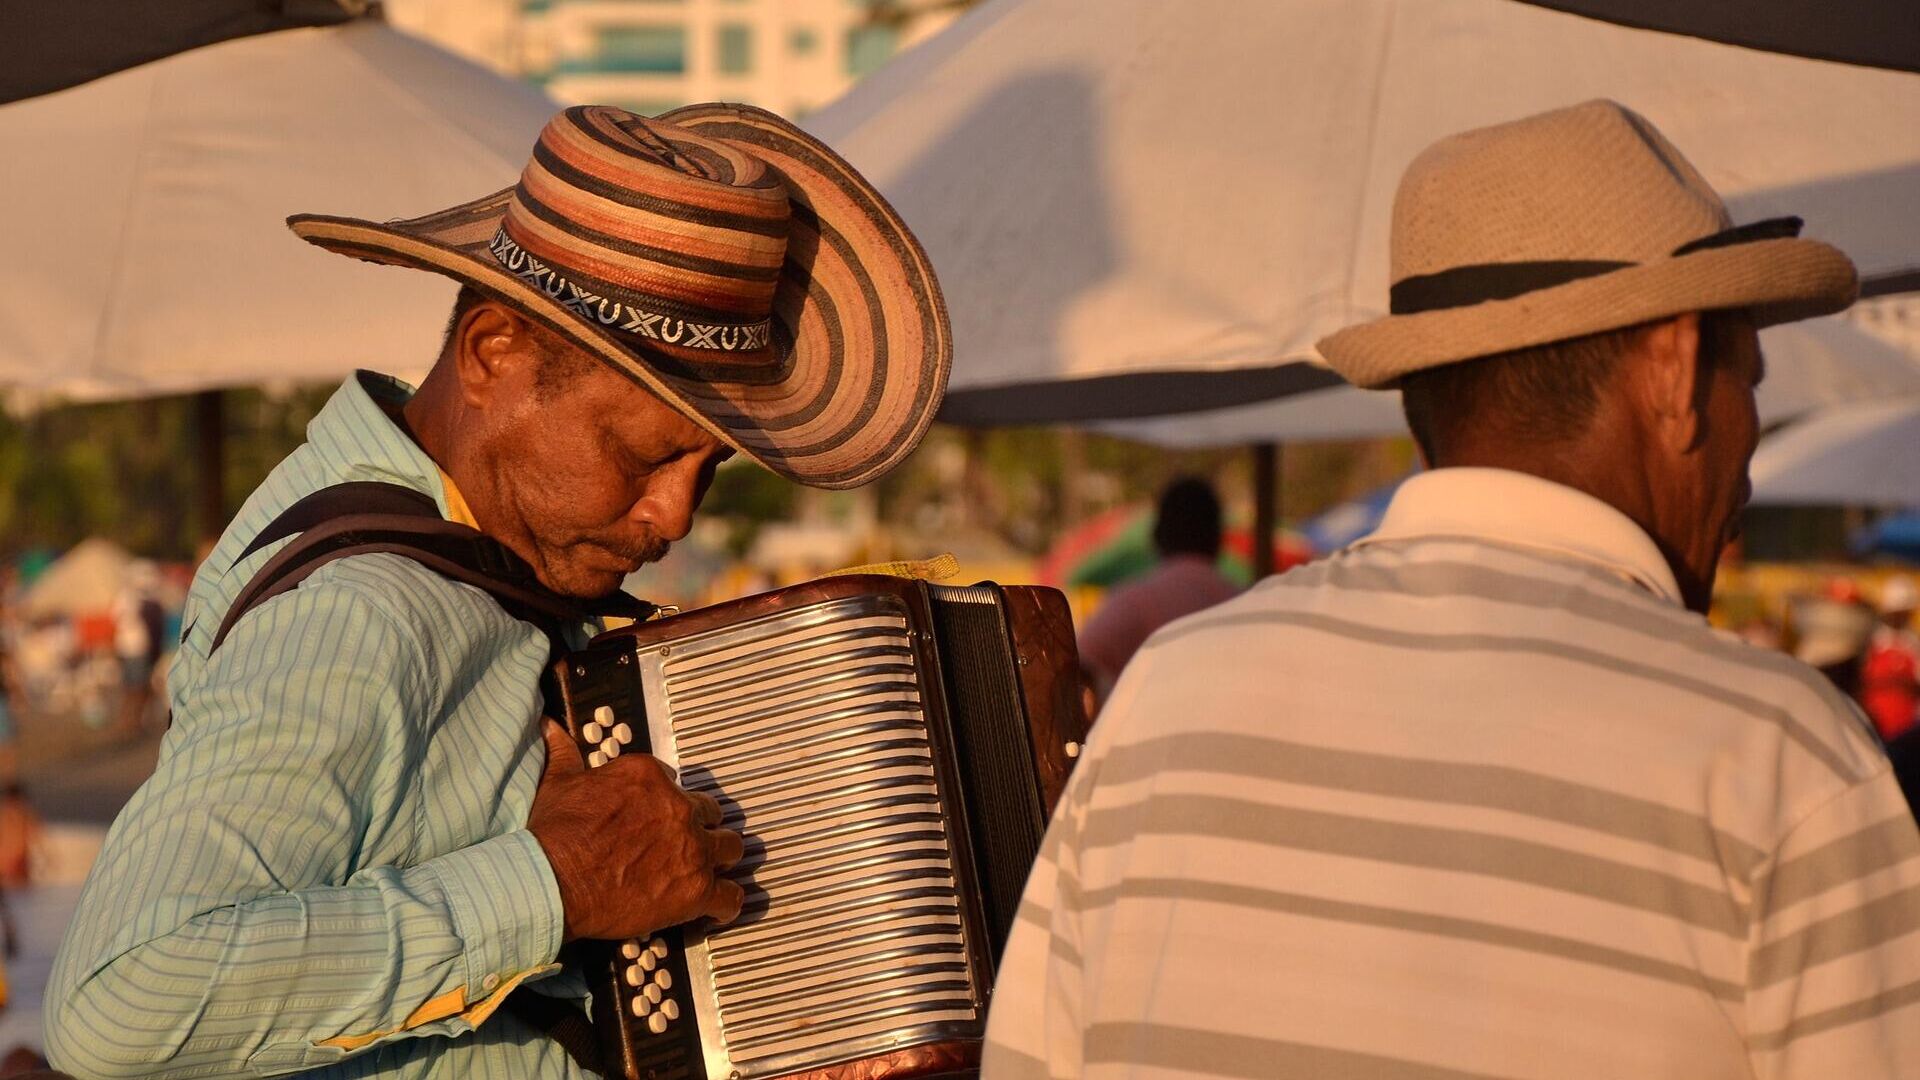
808 726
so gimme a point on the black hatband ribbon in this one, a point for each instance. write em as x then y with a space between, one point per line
1464 286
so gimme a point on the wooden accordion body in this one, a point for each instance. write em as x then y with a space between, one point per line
890 751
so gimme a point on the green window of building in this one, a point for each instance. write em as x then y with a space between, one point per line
801 41
735 49
657 49
868 47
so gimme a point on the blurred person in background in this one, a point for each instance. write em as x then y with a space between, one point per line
1187 534
139 640
20 836
1485 794
1890 672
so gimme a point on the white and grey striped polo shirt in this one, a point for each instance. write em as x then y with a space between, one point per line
1475 798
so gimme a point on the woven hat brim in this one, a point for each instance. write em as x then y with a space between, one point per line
867 340
1778 281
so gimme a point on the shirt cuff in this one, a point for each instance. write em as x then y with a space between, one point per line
506 908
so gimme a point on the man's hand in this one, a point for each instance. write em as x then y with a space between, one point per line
633 853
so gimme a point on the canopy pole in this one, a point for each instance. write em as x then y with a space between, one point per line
210 453
1266 506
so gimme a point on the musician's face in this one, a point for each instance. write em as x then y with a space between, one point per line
593 476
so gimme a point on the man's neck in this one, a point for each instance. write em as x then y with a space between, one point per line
1589 467
428 418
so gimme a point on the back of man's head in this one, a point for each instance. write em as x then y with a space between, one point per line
1188 521
1532 399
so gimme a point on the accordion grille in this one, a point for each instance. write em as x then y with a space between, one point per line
808 727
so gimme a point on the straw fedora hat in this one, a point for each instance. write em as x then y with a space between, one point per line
718 256
1572 222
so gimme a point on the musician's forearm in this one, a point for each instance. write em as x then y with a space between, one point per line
295 980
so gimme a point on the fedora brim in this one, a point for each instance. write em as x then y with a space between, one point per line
857 311
1778 281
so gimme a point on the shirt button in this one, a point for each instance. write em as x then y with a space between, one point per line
490 983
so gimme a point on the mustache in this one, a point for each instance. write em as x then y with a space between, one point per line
637 552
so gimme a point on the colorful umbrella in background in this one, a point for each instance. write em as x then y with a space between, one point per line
1351 520
1117 546
1897 537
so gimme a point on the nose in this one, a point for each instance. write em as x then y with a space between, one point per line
666 506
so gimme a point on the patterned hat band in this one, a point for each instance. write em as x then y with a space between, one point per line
620 315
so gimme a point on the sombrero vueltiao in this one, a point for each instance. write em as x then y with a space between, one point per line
720 257
1568 223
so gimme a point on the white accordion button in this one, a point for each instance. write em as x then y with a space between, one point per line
596 759
1072 749
653 994
623 733
641 1007
603 716
670 1009
657 1023
663 979
630 949
634 975
648 961
658 948
610 748
593 732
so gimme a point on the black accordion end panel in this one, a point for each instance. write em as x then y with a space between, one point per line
889 750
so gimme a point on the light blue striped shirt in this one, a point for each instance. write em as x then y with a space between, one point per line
329 868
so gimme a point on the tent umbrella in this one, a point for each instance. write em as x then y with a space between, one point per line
1140 208
1864 454
151 255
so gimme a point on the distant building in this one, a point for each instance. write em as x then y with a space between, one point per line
791 56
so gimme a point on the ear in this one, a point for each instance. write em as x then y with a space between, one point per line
495 351
1673 381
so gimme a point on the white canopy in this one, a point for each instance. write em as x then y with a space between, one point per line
147 247
1810 365
1864 454
1134 186
83 581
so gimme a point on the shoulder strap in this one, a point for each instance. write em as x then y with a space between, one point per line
365 517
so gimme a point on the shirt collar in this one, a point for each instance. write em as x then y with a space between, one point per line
1514 508
361 441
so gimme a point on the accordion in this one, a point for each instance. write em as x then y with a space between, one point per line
890 751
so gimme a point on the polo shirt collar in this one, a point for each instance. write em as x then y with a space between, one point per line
1514 508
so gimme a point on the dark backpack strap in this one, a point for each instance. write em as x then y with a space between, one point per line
363 517
352 497
366 517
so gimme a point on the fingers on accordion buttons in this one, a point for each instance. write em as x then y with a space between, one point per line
657 1023
630 948
634 975
596 759
670 1009
657 947
641 1006
653 993
624 733
663 979
593 732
